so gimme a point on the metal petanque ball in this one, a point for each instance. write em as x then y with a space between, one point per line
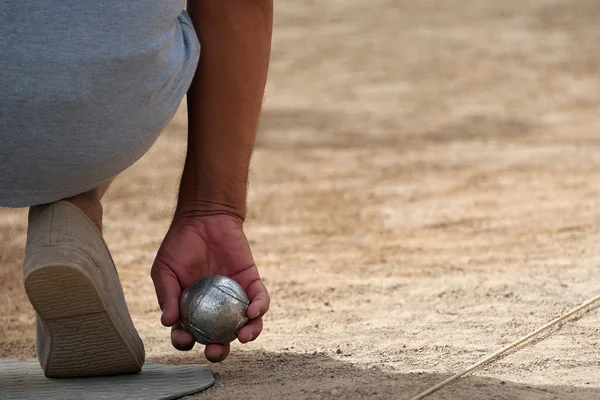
213 309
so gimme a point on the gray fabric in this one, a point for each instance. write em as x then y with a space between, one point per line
86 87
23 379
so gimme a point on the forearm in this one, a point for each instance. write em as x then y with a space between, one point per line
224 102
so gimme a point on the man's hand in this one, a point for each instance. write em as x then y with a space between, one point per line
202 245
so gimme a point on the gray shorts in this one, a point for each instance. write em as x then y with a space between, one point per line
86 88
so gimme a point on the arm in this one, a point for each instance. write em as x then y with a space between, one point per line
224 103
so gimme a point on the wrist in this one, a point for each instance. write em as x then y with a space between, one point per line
199 208
210 194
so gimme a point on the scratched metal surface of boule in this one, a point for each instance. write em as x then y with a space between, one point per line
24 379
213 309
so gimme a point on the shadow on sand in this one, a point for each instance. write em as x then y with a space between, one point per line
268 375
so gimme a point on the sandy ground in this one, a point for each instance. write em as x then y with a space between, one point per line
425 189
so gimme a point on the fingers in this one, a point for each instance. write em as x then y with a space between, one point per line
259 305
168 291
251 331
216 353
259 299
181 339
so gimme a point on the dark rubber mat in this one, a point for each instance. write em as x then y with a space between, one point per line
24 379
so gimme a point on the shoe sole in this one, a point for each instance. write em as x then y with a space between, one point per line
85 332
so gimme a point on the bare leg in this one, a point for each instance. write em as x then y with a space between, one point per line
89 203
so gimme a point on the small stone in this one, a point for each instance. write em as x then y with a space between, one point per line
335 392
338 351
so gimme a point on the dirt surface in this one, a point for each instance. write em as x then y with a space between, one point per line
425 189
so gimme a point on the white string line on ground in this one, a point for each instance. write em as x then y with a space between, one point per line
497 354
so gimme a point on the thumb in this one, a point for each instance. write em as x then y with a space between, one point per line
168 291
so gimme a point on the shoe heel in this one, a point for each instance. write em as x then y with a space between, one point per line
81 336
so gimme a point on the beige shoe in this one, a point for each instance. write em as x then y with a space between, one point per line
83 324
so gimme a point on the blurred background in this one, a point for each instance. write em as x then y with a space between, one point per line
425 189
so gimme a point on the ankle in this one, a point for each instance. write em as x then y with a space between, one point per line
91 207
